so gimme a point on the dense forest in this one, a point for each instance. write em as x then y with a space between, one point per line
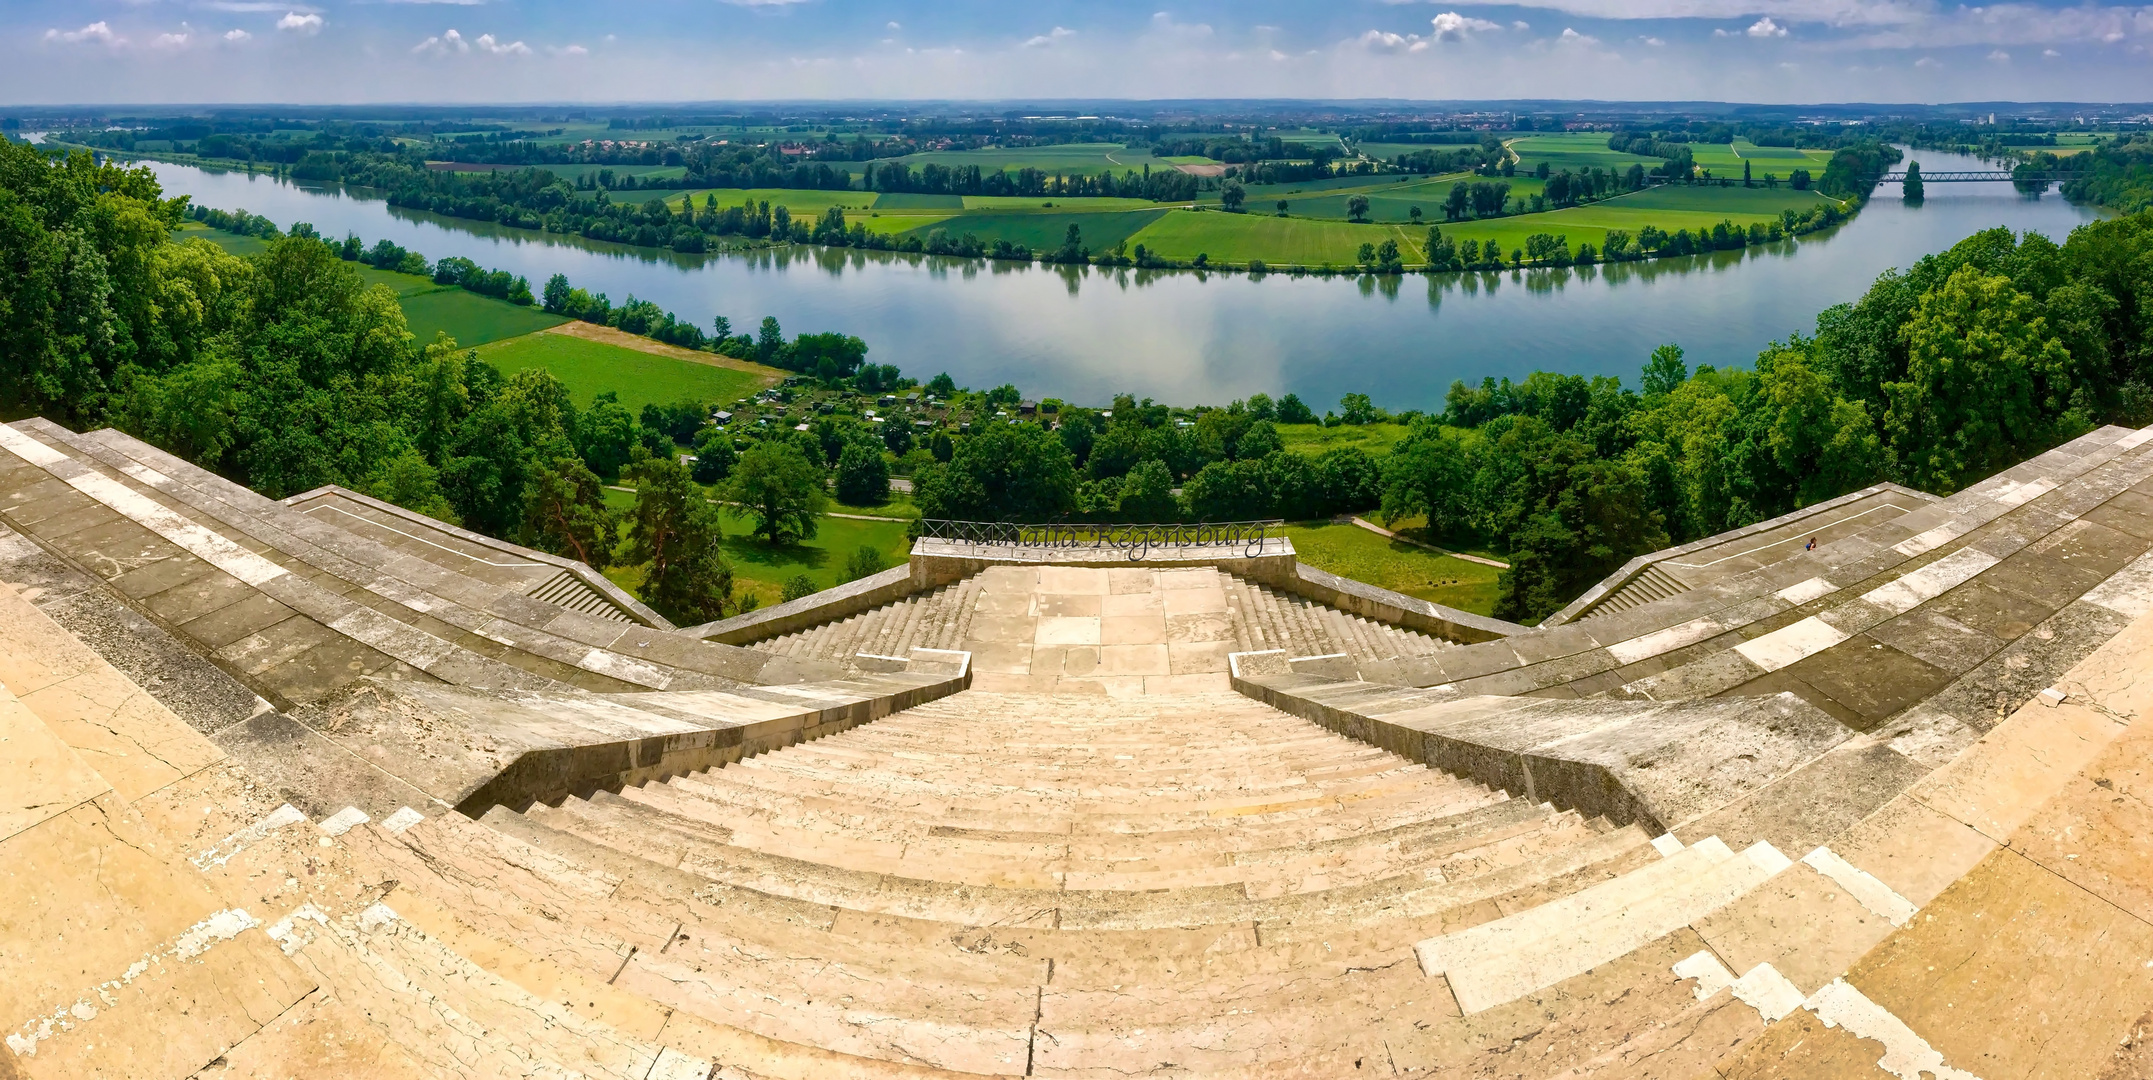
285 371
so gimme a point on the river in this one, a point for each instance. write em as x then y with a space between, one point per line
1085 334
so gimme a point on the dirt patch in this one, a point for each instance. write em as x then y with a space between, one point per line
610 336
1202 170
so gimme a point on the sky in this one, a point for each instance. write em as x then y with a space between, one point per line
1776 51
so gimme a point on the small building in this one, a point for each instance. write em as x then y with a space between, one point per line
721 418
1027 408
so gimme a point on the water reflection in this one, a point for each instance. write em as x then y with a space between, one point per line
1086 333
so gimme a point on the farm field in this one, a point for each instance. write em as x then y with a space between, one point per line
1032 202
1237 238
1582 150
589 368
1354 552
803 202
1046 228
1394 201
1072 158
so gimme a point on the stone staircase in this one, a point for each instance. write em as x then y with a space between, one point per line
1265 618
298 607
936 619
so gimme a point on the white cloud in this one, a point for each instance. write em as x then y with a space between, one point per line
1766 28
568 50
1572 37
1999 56
443 44
99 31
1384 41
1928 62
764 3
176 40
1836 12
300 24
2050 53
1041 41
894 26
237 35
1451 26
251 7
1653 41
488 43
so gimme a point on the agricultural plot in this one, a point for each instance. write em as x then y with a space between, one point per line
1762 160
1046 228
1073 158
1395 202
1237 238
1575 152
803 202
589 368
640 172
898 222
1028 202
912 200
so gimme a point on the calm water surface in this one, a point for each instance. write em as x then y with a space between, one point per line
1085 334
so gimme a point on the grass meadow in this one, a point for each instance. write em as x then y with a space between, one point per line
763 569
589 368
1354 552
1044 229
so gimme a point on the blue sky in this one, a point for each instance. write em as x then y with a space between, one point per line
331 51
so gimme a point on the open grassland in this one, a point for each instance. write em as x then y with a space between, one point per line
1394 201
1237 238
1354 552
893 223
762 569
1045 229
1315 439
589 368
1072 158
1573 151
468 317
1727 160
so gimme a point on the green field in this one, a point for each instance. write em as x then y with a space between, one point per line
1354 552
918 200
1313 439
803 202
763 569
1073 158
589 368
1045 229
1032 202
1237 238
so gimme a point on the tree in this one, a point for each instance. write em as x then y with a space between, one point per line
565 513
1147 494
1234 198
606 434
863 478
1357 409
781 489
1283 207
1357 208
674 533
1259 441
1414 214
1912 190
1984 381
1665 370
556 295
408 481
769 340
1005 472
1291 410
798 587
865 561
714 456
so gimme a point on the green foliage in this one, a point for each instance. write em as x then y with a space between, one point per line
565 513
781 489
865 561
863 477
674 533
798 586
1004 472
1147 494
714 456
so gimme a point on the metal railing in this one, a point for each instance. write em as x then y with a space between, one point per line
1136 541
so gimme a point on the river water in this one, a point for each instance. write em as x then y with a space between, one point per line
1085 334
